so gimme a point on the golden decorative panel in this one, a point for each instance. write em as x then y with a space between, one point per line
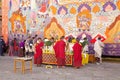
53 29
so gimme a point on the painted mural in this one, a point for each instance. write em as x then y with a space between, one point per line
78 18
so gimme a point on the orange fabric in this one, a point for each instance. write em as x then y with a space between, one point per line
5 8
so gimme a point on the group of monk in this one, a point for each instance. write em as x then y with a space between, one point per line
59 49
33 46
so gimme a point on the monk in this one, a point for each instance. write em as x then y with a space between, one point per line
59 49
77 57
15 47
38 52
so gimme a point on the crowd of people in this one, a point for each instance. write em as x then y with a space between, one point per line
33 46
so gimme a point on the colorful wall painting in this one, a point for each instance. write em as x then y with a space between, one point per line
54 29
18 22
90 16
62 2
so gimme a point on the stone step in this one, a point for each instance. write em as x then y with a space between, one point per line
111 59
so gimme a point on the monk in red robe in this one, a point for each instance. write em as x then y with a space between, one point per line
59 49
77 57
38 52
15 47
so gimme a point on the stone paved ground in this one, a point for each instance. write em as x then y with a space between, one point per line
105 71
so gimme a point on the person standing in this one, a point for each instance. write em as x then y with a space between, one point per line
77 56
98 46
59 49
22 48
2 46
31 47
38 52
15 47
11 50
85 50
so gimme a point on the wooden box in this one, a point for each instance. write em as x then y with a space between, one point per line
91 58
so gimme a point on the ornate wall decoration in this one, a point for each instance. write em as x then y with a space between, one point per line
73 10
112 30
53 9
109 6
118 4
83 7
63 2
92 16
117 38
26 4
62 10
18 22
96 9
54 29
5 9
42 5
83 20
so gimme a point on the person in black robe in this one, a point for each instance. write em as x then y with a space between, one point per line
2 46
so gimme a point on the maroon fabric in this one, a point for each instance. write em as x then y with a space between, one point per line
59 49
60 62
38 54
56 48
77 49
38 60
15 45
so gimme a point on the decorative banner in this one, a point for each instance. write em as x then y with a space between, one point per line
83 20
5 8
112 30
118 4
54 30
96 9
18 22
62 10
83 7
96 37
73 10
53 9
61 2
109 6
42 5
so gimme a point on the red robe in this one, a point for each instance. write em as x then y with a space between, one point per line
38 54
15 48
59 49
77 49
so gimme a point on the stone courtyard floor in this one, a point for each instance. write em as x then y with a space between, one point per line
105 71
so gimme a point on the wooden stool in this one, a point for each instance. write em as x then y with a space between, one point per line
23 60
